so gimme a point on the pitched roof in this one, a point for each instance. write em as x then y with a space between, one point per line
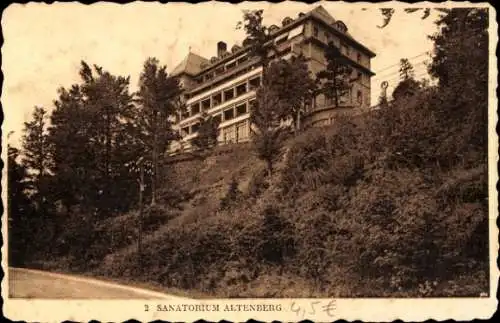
191 65
319 10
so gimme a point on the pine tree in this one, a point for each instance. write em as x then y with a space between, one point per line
406 70
36 152
19 209
407 86
158 103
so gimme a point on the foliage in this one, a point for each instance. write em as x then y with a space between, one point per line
19 209
258 38
232 197
158 103
92 143
293 86
36 151
406 70
269 132
390 203
336 77
407 86
208 132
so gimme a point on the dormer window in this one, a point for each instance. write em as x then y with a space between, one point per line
341 26
287 21
235 48
273 28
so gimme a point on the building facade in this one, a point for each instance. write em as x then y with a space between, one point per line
224 86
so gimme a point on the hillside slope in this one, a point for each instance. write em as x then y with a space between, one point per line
362 208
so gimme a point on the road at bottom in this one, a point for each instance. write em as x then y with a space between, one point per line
29 283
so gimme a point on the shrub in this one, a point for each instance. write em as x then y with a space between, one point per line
233 195
258 183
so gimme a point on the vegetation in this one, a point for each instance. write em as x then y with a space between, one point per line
389 203
291 83
208 132
158 104
336 77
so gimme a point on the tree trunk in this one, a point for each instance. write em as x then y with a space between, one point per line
269 168
297 122
155 168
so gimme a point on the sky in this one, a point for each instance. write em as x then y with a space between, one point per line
44 44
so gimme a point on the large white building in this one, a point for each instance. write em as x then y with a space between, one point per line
224 86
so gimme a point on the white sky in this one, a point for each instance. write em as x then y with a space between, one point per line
44 44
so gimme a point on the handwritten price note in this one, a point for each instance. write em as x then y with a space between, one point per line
309 309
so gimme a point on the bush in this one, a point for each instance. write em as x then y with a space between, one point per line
233 196
258 183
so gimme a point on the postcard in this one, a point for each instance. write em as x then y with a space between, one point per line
269 161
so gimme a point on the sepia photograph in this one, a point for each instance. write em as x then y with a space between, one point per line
275 161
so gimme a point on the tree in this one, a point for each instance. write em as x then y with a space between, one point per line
293 86
406 70
408 86
460 63
157 97
88 133
269 133
19 208
259 39
335 78
36 152
208 132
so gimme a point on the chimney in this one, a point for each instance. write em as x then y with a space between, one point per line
221 48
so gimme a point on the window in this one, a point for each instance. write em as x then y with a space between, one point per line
241 89
217 118
281 39
230 65
219 70
254 83
358 57
315 31
195 108
241 109
327 37
344 49
195 127
242 60
216 99
228 114
296 31
205 104
185 131
228 94
360 97
229 134
242 131
251 104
